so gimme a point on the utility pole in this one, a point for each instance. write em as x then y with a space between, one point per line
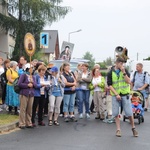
137 57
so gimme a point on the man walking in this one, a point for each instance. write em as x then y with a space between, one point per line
119 83
140 82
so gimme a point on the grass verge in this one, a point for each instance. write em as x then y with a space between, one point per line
6 119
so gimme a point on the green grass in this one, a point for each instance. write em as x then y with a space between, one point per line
6 119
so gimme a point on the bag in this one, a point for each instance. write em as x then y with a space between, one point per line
16 87
3 79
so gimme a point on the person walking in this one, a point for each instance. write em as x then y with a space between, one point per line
56 93
39 96
83 81
98 86
140 82
27 84
118 80
12 98
69 93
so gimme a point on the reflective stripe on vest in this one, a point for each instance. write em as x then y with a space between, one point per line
119 84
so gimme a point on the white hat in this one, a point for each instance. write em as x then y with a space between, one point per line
28 65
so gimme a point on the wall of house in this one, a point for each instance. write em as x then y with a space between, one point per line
3 44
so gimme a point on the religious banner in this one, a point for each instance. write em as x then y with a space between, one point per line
66 51
29 44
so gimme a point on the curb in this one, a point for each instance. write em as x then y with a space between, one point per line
9 127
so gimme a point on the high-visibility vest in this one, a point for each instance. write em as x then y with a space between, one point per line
119 84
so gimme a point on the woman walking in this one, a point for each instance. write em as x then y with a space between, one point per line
98 85
83 80
55 93
12 98
69 94
27 84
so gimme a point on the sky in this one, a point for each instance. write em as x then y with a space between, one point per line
106 24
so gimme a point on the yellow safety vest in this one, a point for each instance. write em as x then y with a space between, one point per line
119 84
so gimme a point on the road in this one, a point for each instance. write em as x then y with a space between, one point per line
84 135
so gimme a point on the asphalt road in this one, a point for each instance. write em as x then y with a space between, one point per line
84 135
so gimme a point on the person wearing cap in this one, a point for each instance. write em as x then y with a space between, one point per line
55 93
83 81
27 83
118 80
12 98
39 96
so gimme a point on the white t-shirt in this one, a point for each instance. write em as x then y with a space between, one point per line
95 81
1 70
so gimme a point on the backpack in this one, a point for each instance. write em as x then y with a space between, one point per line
4 78
145 72
15 85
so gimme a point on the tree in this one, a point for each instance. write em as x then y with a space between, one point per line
30 16
108 61
148 58
89 57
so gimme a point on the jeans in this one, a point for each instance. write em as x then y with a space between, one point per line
83 96
68 102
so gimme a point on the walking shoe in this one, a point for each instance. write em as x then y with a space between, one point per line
98 116
118 133
102 116
73 119
81 116
135 133
33 125
87 116
145 109
41 123
66 119
22 127
56 123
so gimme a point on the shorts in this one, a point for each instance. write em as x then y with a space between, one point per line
125 103
145 94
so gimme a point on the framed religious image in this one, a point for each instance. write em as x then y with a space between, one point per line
66 51
29 44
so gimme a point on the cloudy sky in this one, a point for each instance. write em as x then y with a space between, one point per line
106 24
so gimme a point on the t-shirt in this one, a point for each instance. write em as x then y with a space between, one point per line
95 81
13 74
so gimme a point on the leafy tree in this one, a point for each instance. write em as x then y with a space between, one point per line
30 16
148 58
108 61
89 57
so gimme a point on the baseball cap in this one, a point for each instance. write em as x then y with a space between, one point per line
54 69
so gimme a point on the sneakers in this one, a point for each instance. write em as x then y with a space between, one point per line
73 119
135 133
66 119
87 116
81 116
118 133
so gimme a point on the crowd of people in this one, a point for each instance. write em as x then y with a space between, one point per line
51 91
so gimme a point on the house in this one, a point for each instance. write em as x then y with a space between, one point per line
51 51
7 39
